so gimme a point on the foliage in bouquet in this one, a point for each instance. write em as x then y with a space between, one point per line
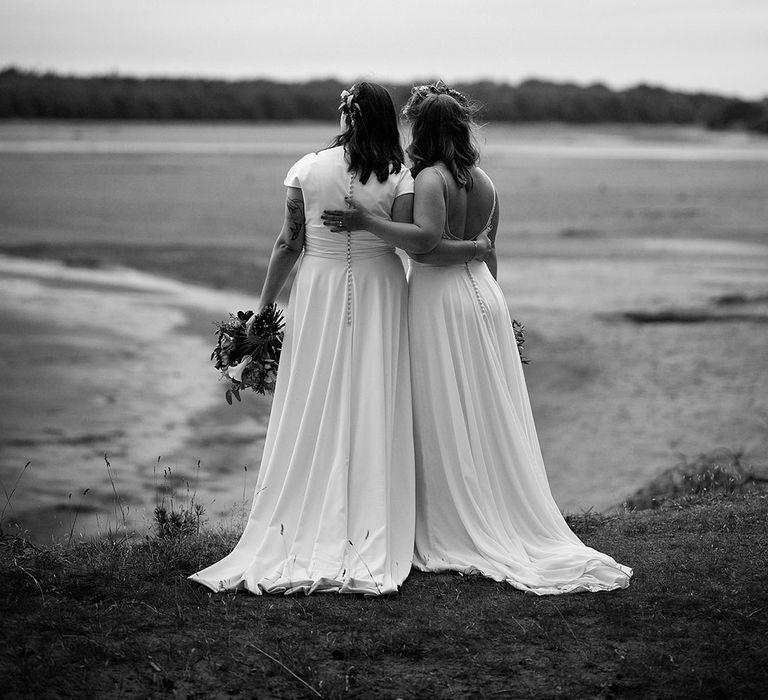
518 327
248 357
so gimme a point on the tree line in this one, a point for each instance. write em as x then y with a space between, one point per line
31 95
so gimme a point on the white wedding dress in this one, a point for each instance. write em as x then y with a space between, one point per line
483 503
333 508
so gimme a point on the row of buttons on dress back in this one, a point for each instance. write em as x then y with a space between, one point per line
473 279
476 287
349 254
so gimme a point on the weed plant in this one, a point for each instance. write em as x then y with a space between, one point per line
174 519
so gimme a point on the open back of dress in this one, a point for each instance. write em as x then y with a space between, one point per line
483 503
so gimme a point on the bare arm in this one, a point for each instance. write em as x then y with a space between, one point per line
402 209
287 248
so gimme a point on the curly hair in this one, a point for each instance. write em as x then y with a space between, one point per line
371 138
442 126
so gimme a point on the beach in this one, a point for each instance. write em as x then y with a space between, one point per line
110 366
637 260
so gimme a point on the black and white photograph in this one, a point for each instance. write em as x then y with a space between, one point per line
403 350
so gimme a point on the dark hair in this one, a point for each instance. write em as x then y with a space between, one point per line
371 139
442 124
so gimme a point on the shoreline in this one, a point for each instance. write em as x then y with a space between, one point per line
75 327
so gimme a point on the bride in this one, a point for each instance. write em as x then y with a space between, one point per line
483 503
333 508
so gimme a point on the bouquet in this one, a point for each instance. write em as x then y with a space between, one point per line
247 357
518 327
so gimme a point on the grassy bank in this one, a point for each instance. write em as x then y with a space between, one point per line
114 617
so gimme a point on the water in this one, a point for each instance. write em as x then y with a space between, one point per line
595 222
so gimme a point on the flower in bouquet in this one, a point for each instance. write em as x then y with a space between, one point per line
236 372
247 356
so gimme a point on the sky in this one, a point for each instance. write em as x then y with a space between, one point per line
712 45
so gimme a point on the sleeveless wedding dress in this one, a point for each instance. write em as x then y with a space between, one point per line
333 509
483 503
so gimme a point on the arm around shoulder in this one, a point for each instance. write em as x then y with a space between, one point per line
420 236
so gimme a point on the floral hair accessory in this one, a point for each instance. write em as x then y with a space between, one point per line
426 89
440 88
419 93
348 103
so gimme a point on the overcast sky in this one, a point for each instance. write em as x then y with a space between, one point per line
713 45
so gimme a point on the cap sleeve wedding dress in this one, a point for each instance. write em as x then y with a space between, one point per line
333 509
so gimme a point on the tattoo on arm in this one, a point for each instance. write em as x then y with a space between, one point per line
296 216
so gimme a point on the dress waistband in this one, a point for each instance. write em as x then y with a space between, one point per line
324 244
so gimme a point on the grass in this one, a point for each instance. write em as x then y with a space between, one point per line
117 617
721 471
